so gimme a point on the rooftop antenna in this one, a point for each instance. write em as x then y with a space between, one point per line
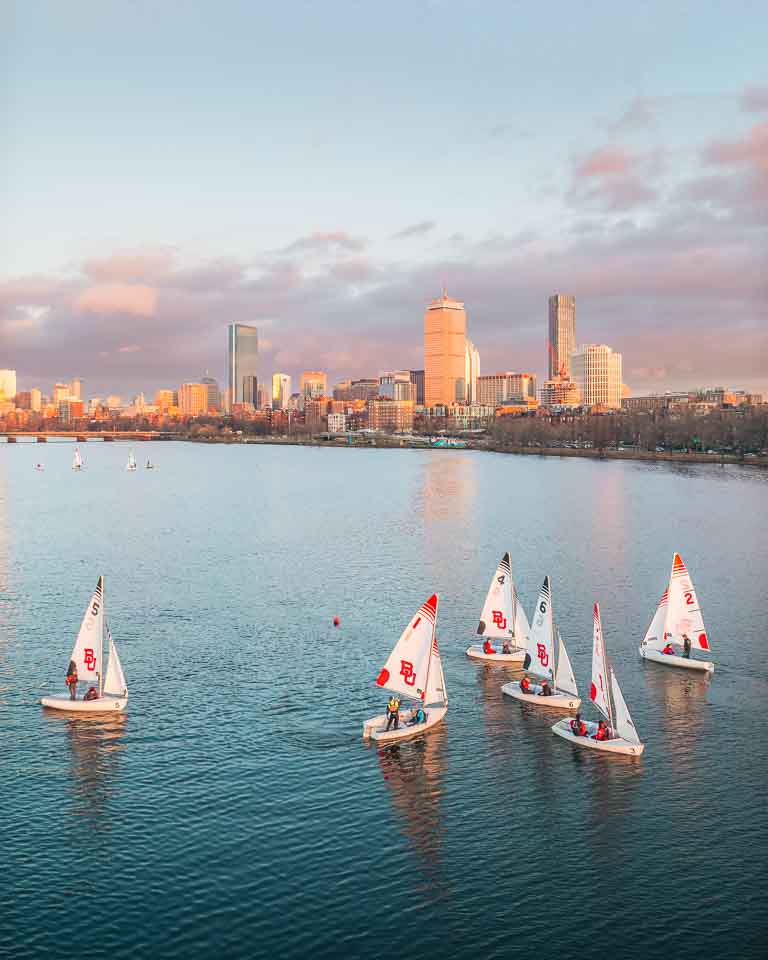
445 292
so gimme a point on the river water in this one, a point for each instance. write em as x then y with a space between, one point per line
234 810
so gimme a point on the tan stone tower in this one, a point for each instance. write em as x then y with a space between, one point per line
445 347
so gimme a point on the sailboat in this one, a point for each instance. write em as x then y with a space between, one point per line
606 695
39 467
502 619
547 659
131 465
414 671
677 616
150 465
77 463
87 659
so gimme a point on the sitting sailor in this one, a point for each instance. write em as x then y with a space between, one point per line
393 712
418 717
546 690
578 727
525 685
602 732
669 649
506 647
93 694
488 646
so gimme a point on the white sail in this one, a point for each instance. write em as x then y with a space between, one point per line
435 692
76 461
656 634
131 461
405 671
521 626
88 649
598 691
564 678
540 641
498 617
114 682
683 613
622 722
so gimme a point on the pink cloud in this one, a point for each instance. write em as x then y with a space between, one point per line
131 348
605 162
137 300
751 151
130 267
755 99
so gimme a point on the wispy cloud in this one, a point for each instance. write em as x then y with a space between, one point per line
415 230
755 99
330 242
639 115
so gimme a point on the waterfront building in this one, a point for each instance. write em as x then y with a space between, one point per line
281 390
295 402
472 371
341 390
397 386
562 334
365 389
417 377
60 392
445 331
214 394
242 360
313 383
7 384
193 399
23 400
76 389
596 369
69 410
494 388
559 392
469 416
35 400
165 399
337 422
390 416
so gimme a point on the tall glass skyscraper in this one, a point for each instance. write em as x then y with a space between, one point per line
242 359
562 334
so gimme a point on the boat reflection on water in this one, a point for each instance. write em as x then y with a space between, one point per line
414 773
96 747
682 696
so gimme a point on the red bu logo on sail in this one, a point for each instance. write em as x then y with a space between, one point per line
541 652
89 659
407 672
499 620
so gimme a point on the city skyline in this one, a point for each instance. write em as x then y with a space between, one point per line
145 218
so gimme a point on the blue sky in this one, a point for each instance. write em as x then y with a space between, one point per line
531 147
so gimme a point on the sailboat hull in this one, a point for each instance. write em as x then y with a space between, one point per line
558 701
104 704
617 745
376 727
672 660
475 652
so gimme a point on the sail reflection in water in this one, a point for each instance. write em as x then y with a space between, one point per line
96 747
414 773
683 700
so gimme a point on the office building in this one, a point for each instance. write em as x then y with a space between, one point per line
214 394
337 423
496 388
193 399
445 352
397 386
76 389
596 370
559 392
472 371
313 384
35 400
7 384
242 360
562 334
417 377
281 390
165 399
60 392
390 416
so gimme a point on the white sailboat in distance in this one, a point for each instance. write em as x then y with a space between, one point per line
547 660
503 620
131 465
107 692
605 693
77 463
413 671
678 618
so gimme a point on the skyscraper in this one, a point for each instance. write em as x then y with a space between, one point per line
562 334
193 399
76 389
281 390
445 352
242 359
7 384
214 397
472 366
417 377
313 384
597 373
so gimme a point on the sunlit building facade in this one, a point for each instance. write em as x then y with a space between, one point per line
193 399
559 392
494 388
562 334
597 372
281 390
242 361
390 416
313 383
471 371
445 352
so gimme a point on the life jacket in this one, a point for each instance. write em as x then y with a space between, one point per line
487 648
579 729
669 649
71 678
602 733
394 705
525 683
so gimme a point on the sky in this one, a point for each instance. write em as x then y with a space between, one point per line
321 170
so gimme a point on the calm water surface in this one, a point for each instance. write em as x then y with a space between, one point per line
235 811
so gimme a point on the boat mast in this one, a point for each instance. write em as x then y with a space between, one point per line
101 627
514 598
429 662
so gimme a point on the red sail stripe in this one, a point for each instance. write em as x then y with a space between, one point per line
429 608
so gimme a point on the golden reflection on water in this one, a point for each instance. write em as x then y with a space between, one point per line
682 696
449 486
96 746
414 771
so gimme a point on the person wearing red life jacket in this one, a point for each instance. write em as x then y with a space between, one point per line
602 731
71 680
669 650
525 685
488 647
578 727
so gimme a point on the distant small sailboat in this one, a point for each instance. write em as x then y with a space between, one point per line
150 465
503 619
77 463
40 467
606 695
86 660
131 465
413 670
678 616
547 659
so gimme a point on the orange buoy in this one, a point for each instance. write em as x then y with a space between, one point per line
336 622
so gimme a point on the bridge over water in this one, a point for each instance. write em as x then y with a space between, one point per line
80 436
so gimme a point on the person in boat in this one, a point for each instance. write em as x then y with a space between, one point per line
418 717
669 650
93 694
686 646
578 727
602 731
546 690
488 647
393 712
506 647
525 685
72 680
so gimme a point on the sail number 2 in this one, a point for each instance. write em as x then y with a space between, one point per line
688 598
